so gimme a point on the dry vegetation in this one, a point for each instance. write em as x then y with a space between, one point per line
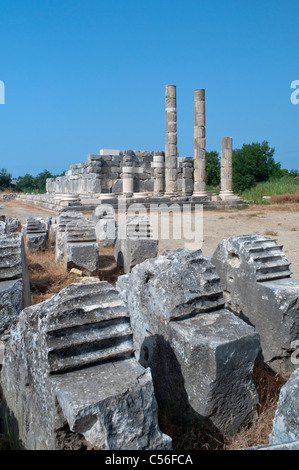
288 198
48 278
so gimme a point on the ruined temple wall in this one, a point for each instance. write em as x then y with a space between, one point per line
103 174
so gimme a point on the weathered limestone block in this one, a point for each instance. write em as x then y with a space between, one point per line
2 227
11 302
81 248
36 234
12 224
255 277
286 420
63 220
106 227
69 370
200 354
135 243
14 279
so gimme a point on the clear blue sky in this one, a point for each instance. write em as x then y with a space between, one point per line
81 75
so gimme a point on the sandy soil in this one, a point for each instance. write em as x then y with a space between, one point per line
279 222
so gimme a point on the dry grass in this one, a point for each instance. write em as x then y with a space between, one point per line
270 233
288 198
46 277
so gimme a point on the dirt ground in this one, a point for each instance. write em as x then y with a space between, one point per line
280 222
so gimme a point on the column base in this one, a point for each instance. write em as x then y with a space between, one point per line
143 195
228 196
107 196
200 193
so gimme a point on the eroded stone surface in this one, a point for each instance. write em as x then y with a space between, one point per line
286 420
63 220
81 248
14 279
69 367
255 277
200 354
135 243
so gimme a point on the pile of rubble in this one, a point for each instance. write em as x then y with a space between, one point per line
89 367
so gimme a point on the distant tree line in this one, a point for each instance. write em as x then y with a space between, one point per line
253 163
26 183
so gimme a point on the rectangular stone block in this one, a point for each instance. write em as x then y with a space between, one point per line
109 152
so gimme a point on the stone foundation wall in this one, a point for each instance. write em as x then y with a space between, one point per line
104 173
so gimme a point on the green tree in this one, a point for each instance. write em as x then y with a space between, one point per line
212 168
26 184
5 179
254 163
40 180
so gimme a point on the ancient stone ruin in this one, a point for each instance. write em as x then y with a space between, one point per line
81 248
70 378
64 219
88 368
135 243
286 421
145 176
37 234
105 225
200 354
256 280
14 280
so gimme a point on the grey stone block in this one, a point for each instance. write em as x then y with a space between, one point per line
71 379
11 302
134 243
286 420
36 241
83 256
255 277
201 355
14 279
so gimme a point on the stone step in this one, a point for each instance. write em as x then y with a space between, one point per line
84 316
266 248
269 257
90 354
268 273
200 304
80 335
261 243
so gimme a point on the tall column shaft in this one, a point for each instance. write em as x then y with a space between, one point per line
226 165
171 159
199 143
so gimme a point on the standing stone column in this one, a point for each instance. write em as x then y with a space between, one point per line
128 180
171 170
226 168
128 173
199 144
185 172
158 165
